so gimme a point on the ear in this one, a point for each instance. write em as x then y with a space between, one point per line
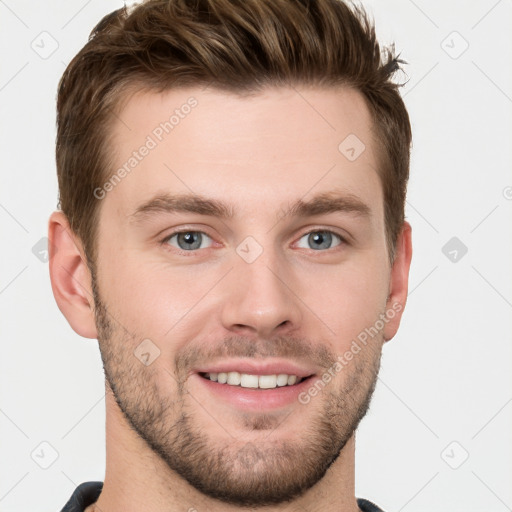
70 276
399 281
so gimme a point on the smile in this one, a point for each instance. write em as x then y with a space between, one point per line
246 380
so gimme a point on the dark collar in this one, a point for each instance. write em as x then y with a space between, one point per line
85 494
88 492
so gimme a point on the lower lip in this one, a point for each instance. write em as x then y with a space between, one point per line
255 398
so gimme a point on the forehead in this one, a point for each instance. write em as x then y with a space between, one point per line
266 149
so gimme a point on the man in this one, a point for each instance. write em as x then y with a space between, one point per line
232 183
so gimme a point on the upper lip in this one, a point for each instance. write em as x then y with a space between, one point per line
267 367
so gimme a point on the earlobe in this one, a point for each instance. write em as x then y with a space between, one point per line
70 276
399 282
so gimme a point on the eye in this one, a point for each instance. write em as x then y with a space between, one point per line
187 240
321 239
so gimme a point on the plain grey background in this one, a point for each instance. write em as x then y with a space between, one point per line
437 436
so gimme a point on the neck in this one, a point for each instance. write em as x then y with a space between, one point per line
137 479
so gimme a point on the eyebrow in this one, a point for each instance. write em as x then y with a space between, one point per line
324 203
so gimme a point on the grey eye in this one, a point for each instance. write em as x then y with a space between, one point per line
188 240
318 240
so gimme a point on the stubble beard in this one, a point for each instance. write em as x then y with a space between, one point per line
244 474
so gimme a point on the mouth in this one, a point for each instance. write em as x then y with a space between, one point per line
252 392
253 381
254 384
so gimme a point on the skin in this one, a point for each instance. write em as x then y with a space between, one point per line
171 445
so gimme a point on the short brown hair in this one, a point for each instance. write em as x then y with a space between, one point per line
239 46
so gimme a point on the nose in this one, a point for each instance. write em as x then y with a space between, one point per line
261 297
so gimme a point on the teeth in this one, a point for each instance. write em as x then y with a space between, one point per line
292 379
268 381
246 380
249 381
282 379
234 378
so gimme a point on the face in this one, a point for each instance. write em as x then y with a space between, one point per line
268 271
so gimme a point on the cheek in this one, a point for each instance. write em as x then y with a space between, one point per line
352 299
150 297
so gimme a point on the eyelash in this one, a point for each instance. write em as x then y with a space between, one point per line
164 241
